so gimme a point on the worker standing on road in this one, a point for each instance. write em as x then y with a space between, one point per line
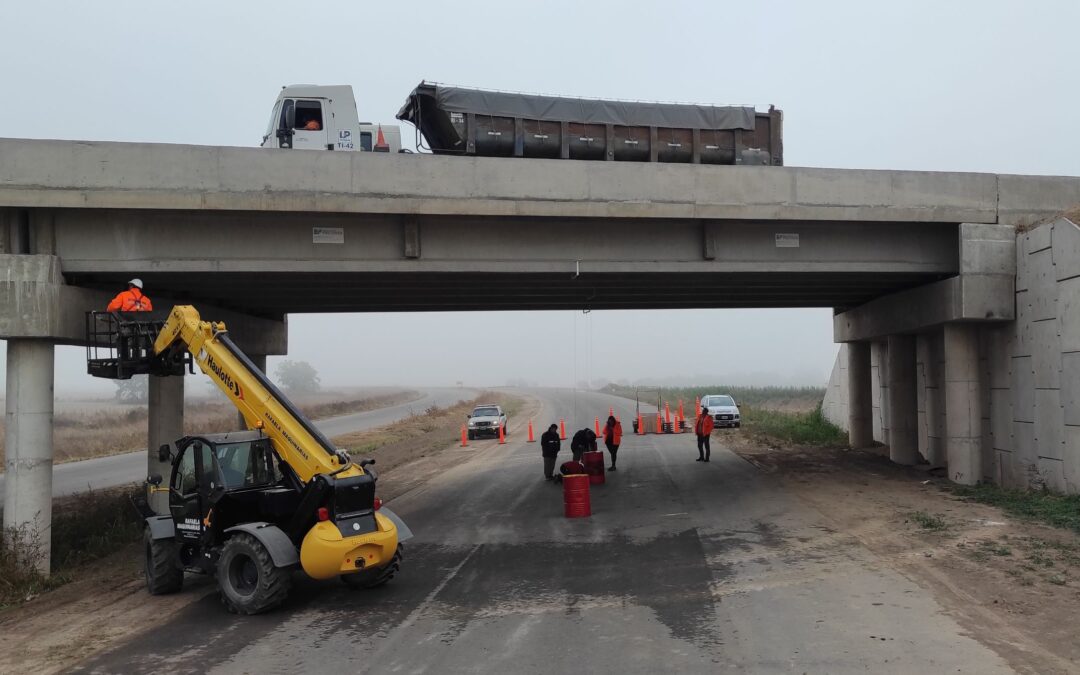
550 446
612 438
582 442
703 429
131 300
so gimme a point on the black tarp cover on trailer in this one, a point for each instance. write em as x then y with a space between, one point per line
588 111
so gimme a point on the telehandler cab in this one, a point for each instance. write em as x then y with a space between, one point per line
250 506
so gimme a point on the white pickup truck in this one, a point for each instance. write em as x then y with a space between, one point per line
722 409
487 419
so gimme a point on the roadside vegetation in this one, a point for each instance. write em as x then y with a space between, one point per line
115 431
773 398
771 414
420 434
809 428
84 529
1038 505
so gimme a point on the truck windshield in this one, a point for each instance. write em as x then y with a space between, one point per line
720 400
271 126
485 412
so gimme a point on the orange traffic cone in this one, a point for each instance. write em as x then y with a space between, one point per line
667 413
681 413
562 430
640 425
380 142
659 424
502 435
531 438
464 437
597 426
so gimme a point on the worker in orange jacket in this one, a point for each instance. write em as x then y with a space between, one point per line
703 429
612 438
131 300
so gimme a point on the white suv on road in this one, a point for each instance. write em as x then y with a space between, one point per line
487 419
722 409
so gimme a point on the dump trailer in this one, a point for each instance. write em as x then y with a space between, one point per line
460 121
252 506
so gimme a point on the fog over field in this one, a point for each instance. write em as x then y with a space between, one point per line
856 91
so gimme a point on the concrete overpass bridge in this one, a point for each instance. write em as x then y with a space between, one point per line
252 235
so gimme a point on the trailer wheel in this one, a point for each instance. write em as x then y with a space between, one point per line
163 573
250 583
377 577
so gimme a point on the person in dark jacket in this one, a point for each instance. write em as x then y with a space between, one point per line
550 446
582 442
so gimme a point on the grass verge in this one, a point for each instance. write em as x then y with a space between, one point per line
419 434
84 529
799 428
928 521
758 397
83 436
1042 506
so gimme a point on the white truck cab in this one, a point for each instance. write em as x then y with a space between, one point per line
314 117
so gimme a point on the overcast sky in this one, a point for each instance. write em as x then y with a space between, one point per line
975 85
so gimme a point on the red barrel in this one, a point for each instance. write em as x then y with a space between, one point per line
576 495
594 466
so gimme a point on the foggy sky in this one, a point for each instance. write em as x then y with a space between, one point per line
957 86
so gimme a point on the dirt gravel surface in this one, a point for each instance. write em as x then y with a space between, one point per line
1013 584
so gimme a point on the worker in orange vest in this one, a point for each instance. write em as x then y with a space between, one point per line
703 429
612 438
131 300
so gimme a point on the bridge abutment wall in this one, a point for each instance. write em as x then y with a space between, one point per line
997 402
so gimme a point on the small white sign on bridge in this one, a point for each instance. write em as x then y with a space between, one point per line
327 235
787 240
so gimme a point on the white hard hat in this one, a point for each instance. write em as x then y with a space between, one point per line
137 283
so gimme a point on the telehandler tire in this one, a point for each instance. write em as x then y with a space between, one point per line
377 577
250 583
163 573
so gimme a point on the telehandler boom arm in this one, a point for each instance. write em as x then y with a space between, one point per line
295 439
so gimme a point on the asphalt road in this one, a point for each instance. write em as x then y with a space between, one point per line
106 472
683 567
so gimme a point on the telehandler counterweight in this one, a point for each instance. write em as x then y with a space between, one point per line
248 506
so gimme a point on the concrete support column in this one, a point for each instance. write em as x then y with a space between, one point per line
903 407
165 426
860 396
28 443
963 405
260 362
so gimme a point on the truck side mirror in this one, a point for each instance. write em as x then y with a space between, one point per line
290 117
154 479
163 454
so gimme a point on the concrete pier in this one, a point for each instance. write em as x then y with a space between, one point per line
29 449
165 425
963 405
903 415
860 396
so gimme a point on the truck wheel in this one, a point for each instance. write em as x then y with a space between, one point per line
377 577
472 435
250 583
163 573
